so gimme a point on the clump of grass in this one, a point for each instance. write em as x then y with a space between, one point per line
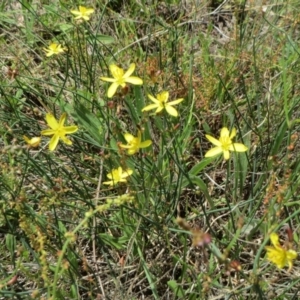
127 200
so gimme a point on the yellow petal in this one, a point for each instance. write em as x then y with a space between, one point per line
75 12
53 142
107 79
159 109
171 110
213 152
79 16
145 144
27 140
125 146
291 254
126 173
134 80
85 10
112 89
62 120
128 137
213 140
175 101
233 133
270 249
48 132
116 72
238 147
149 107
53 46
224 132
89 11
51 121
119 170
66 140
226 154
275 240
108 182
129 71
132 151
50 53
153 99
70 129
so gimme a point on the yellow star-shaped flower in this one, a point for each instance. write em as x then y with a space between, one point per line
83 13
278 255
58 130
120 78
224 144
161 102
117 175
134 143
54 49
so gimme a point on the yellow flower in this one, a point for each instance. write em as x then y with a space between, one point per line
58 130
161 102
54 49
278 255
83 13
120 78
33 142
117 175
134 143
224 144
